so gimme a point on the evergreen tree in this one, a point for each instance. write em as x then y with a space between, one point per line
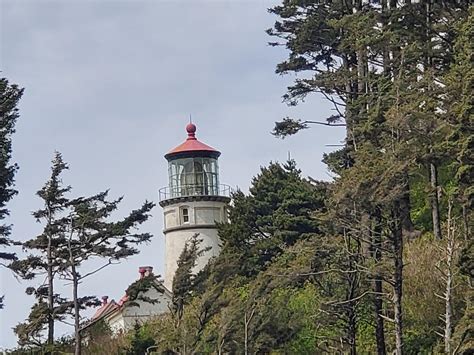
140 343
277 214
91 235
184 278
46 258
380 64
76 230
10 95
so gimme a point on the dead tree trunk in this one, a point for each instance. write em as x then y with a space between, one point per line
247 320
448 274
397 240
448 294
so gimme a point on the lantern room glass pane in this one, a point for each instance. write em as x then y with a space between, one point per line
193 176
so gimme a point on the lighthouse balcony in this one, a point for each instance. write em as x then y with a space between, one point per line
172 194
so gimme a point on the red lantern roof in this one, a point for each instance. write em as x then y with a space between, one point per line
192 146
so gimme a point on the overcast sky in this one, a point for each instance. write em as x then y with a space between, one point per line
111 85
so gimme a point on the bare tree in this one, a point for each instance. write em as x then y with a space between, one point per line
447 269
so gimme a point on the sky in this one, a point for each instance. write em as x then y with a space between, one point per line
111 85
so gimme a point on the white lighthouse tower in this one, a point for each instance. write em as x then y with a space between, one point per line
192 202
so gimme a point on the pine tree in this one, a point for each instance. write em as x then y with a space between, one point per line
380 64
140 343
75 231
90 234
10 95
184 278
46 258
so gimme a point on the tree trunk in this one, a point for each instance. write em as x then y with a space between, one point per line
352 328
397 239
50 276
50 295
353 279
385 50
247 320
450 251
465 221
449 312
435 201
377 283
405 207
379 322
77 333
75 299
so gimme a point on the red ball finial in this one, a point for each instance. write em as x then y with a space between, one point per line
191 129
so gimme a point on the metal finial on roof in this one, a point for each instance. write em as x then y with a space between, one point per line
191 129
192 146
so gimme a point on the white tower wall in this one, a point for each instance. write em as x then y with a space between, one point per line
202 214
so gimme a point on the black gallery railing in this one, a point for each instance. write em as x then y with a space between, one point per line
170 192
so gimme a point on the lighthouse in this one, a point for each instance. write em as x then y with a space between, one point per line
193 201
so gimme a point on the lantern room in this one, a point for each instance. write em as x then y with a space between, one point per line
193 169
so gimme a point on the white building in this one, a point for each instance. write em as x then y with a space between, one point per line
123 315
192 203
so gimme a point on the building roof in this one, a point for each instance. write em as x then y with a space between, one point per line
191 146
109 308
104 309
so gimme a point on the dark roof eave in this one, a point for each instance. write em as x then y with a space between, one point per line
193 154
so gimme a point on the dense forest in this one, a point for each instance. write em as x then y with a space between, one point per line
378 261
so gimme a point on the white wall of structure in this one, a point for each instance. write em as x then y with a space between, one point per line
116 322
146 310
124 318
182 221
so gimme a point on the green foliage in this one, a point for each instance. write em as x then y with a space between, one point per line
46 259
288 127
463 337
392 69
349 266
10 95
136 291
140 341
278 212
75 230
301 260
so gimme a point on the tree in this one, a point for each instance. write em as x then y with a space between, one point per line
90 235
76 230
46 258
381 64
184 278
10 95
140 342
448 275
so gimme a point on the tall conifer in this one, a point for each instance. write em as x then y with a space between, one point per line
10 95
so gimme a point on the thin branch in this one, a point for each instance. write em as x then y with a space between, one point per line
315 273
65 322
326 123
387 318
110 262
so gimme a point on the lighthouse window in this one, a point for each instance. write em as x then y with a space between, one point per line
185 215
194 176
